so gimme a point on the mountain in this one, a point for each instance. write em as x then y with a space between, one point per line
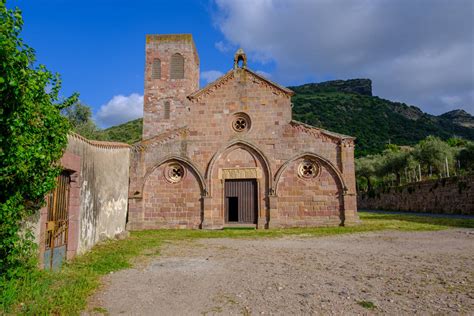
348 107
459 117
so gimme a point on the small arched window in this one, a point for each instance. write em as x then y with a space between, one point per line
177 67
167 110
156 69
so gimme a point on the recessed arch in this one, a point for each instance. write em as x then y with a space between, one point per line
188 163
253 149
325 162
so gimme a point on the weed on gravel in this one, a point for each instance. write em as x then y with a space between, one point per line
66 291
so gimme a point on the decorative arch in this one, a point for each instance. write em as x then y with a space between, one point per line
183 160
319 158
253 149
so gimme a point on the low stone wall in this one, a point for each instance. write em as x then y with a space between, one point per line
453 195
103 184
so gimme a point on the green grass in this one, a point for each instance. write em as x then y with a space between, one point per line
66 291
367 304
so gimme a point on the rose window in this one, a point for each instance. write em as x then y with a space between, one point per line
174 172
241 122
308 169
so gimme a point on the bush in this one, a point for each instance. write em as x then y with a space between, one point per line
33 135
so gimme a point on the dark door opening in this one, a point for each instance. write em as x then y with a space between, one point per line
233 208
241 201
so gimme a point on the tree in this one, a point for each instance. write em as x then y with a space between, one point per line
433 152
466 156
33 136
395 160
80 117
368 167
78 114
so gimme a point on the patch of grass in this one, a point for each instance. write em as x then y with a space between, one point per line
66 291
100 310
367 304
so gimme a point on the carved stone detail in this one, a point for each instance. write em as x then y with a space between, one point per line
240 173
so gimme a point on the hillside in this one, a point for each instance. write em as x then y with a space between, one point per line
130 132
348 107
460 117
339 106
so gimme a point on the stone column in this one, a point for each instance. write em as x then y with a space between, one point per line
350 209
208 216
274 216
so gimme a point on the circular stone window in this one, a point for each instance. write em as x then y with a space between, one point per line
241 122
174 172
308 169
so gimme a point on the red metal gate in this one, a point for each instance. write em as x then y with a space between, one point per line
57 223
241 201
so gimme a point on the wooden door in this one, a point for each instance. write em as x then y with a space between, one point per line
57 223
241 201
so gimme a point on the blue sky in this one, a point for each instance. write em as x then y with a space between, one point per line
419 52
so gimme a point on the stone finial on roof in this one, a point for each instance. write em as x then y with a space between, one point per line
240 56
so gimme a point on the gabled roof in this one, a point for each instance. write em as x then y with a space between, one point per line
323 131
230 74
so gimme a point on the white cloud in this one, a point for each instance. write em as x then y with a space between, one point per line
120 109
223 47
417 52
210 75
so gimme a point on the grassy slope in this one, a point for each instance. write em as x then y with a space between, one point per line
66 291
130 132
372 120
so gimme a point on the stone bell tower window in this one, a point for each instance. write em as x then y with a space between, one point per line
156 69
166 110
177 67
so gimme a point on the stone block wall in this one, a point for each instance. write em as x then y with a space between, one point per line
453 195
164 90
207 144
171 205
198 131
309 202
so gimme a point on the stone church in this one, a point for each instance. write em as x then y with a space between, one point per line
230 154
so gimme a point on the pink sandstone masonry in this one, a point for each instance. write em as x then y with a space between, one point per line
237 129
453 195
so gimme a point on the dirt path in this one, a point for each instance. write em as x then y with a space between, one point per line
398 272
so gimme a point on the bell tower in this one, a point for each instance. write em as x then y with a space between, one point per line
171 74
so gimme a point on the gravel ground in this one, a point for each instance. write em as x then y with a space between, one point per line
396 272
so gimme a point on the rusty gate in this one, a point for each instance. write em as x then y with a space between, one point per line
241 201
57 223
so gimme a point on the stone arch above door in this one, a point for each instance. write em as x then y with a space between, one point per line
250 150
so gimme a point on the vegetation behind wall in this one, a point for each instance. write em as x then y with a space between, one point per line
33 136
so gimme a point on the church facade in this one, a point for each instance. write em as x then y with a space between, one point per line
230 154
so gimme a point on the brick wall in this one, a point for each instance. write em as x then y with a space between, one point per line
453 195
